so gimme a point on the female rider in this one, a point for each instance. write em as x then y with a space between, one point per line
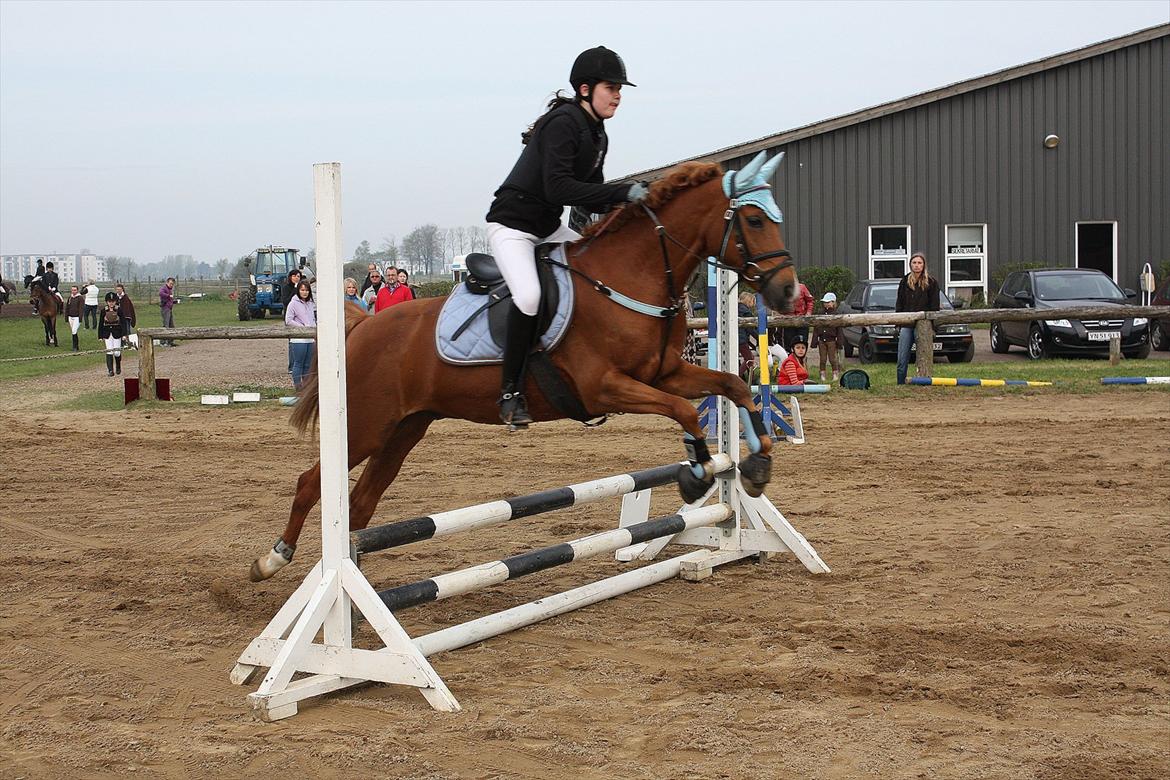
561 165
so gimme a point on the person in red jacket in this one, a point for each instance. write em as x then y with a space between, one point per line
792 370
400 293
801 306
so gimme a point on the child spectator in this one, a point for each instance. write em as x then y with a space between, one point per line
792 370
828 339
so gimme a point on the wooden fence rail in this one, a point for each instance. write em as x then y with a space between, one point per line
922 321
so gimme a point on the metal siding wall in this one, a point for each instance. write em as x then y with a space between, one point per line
978 158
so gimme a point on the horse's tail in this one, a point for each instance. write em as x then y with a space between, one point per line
308 405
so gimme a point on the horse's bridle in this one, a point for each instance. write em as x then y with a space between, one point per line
732 218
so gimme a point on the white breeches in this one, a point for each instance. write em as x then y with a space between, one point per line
74 325
114 346
515 253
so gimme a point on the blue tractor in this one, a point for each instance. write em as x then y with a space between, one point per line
268 268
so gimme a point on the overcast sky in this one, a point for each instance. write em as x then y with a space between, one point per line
148 129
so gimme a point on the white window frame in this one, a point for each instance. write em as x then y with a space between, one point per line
909 248
982 285
1077 241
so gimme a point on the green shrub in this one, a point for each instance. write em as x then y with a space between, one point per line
437 289
834 278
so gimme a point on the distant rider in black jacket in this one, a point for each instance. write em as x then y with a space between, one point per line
561 165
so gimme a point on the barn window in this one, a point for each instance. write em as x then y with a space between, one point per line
889 251
966 261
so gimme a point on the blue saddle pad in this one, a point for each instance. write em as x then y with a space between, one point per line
475 345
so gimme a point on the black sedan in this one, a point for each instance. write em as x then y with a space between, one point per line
1061 288
872 342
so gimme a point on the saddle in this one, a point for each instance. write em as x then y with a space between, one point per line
484 278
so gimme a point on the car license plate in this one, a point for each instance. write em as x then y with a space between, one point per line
936 346
1104 335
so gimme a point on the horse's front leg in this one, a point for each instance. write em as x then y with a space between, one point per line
621 393
691 381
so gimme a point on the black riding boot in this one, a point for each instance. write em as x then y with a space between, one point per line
110 364
76 348
521 335
117 364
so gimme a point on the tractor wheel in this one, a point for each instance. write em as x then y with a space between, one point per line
259 313
242 304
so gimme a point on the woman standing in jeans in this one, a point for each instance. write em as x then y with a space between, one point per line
918 291
301 311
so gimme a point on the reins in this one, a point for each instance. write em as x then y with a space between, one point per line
675 302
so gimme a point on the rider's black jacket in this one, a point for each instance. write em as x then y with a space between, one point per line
561 166
51 279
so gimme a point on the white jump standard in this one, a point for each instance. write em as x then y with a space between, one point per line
737 525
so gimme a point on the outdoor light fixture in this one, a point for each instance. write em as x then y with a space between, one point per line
1051 140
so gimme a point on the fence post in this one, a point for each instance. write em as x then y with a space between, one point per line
924 343
146 367
1114 351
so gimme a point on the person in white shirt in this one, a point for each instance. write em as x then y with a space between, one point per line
91 292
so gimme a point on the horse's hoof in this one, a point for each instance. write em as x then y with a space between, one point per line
755 472
276 559
690 487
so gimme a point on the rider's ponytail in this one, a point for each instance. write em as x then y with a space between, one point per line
557 101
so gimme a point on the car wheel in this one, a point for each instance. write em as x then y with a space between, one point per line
999 344
866 352
1159 340
964 357
848 350
1036 347
1141 353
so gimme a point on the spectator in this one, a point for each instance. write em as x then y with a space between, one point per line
110 331
301 311
391 275
370 294
91 293
73 309
371 269
351 294
918 291
792 370
403 279
166 305
126 310
389 296
802 306
828 339
747 358
288 288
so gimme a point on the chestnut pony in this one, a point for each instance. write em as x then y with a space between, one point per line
46 307
615 358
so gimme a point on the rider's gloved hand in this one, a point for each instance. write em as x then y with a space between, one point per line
637 192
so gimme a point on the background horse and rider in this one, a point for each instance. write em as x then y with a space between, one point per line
46 304
613 358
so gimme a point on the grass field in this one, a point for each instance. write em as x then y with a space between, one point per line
24 337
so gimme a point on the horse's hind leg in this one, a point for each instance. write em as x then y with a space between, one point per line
383 468
308 494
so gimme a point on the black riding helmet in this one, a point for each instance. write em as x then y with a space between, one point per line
111 296
598 64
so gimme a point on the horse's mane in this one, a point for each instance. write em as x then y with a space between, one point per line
677 179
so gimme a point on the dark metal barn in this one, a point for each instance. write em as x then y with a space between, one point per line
1060 161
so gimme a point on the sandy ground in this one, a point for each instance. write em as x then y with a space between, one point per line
998 607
